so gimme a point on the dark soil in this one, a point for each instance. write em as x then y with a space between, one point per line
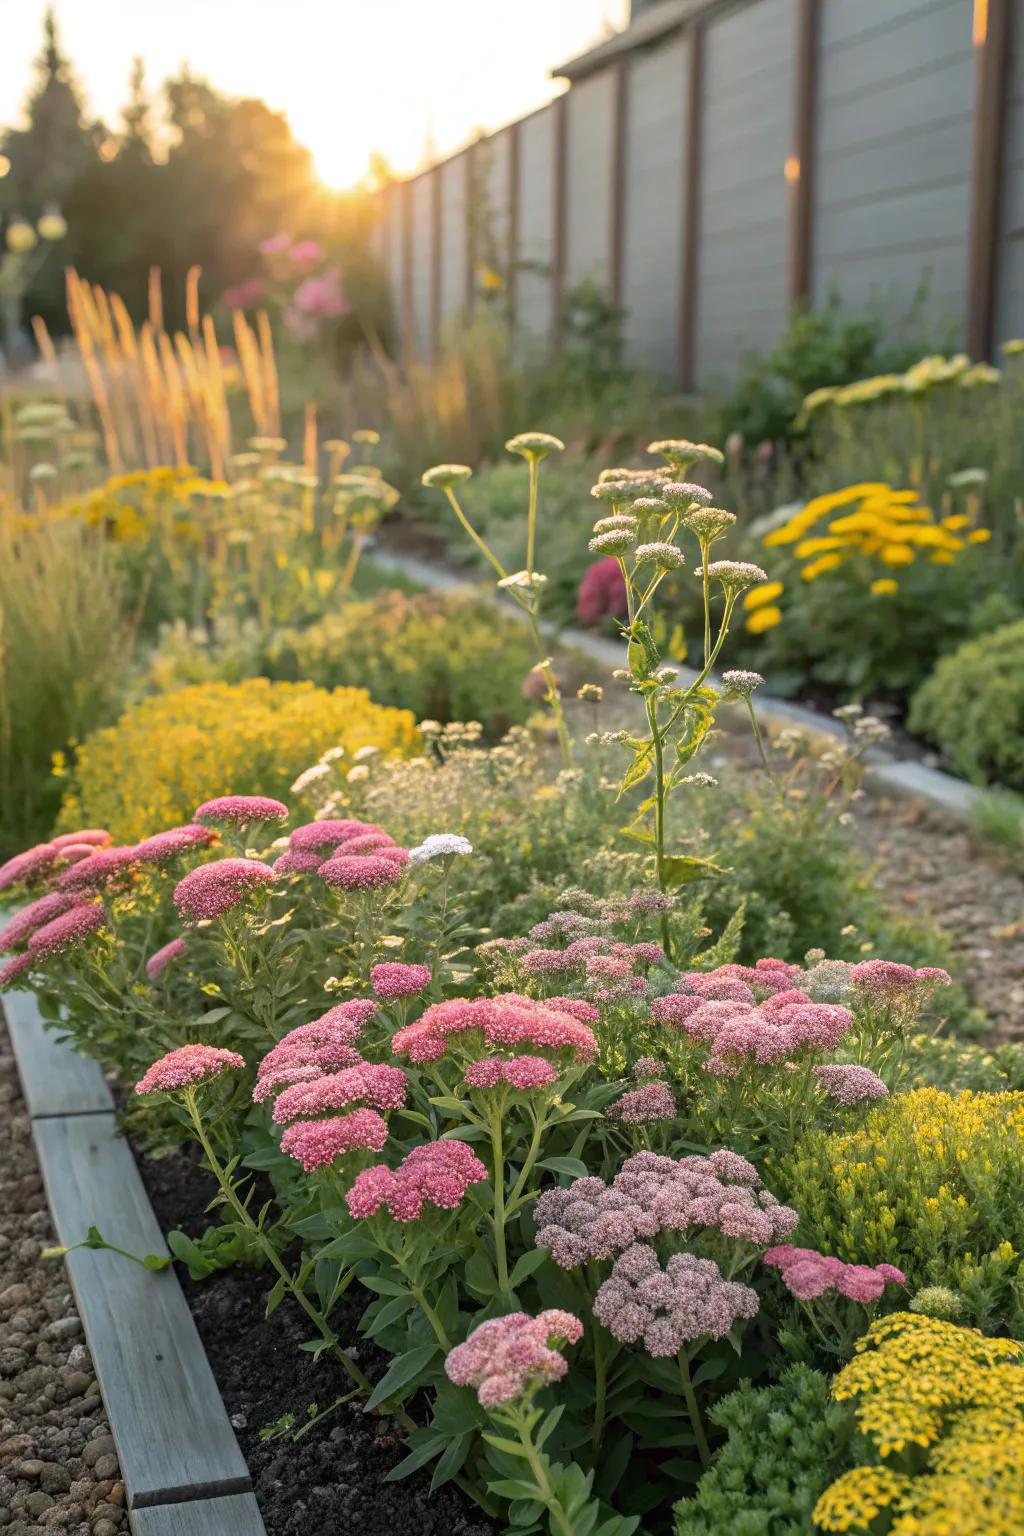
331 1479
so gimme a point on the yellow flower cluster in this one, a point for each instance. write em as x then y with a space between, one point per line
925 375
172 751
929 1179
874 522
919 1383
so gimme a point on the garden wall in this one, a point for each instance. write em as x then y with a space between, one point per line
723 159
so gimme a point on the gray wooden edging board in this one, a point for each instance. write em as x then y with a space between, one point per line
235 1515
55 1080
906 777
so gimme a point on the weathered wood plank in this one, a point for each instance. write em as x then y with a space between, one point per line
55 1080
172 1433
237 1515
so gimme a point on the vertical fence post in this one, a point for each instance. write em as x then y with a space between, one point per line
687 330
620 125
470 225
436 255
514 194
408 330
991 36
799 169
560 188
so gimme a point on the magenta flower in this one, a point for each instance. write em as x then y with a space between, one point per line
647 1066
187 1065
97 837
74 853
644 1106
67 931
393 979
326 1044
296 862
316 835
43 910
275 245
28 865
366 842
379 1087
16 967
316 1143
213 889
507 1020
602 593
577 1008
161 958
850 1085
808 1274
361 872
240 810
107 866
176 840
522 1072
435 1173
305 253
508 1357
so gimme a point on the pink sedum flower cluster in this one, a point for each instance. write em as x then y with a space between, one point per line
317 1143
652 1194
104 867
171 844
393 979
508 1357
436 1173
807 1274
644 1106
240 810
668 1308
311 1050
68 931
361 872
887 982
522 1072
213 889
296 862
187 1066
506 1020
850 1085
24 923
323 836
28 866
161 958
741 1032
364 1083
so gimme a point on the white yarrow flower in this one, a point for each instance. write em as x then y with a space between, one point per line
438 846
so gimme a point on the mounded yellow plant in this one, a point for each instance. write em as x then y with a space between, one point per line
172 751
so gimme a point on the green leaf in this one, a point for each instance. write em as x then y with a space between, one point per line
639 835
450 1463
401 1374
510 1447
416 1459
479 1274
156 1262
514 1488
637 771
681 869
570 1165
527 1264
275 1298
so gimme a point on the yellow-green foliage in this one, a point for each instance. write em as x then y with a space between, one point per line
930 1182
943 1408
171 752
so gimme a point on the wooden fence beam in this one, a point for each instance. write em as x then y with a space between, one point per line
408 331
558 228
469 168
690 275
799 168
514 205
616 233
992 37
436 257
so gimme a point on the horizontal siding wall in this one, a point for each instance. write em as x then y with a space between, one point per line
422 254
588 179
536 223
892 178
746 136
652 214
1010 287
453 239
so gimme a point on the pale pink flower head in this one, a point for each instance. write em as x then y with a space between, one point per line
436 1173
644 1106
275 245
240 810
664 1309
213 889
304 253
315 836
96 837
887 981
322 296
24 923
360 872
507 1020
646 1067
15 967
850 1085
270 1082
161 959
296 862
30 865
68 931
366 842
509 1357
317 1143
808 1274
522 1072
326 1043
74 853
366 1083
106 867
393 979
187 1066
174 842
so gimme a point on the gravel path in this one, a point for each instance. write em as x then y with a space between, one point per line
58 1470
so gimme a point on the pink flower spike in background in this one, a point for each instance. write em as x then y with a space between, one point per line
161 959
394 979
213 889
67 931
360 872
304 253
240 810
808 1274
316 1143
188 1065
15 968
506 1358
245 295
98 837
275 245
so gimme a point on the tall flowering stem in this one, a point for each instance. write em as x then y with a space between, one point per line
525 586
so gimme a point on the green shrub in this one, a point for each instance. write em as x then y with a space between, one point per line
972 707
785 1444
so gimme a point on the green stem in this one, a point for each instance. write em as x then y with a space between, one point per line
759 738
705 550
660 797
498 1160
531 521
560 1521
600 1389
554 697
477 540
690 1398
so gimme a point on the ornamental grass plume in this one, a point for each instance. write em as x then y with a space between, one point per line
360 872
393 979
175 841
379 1087
644 1106
651 1194
509 1357
187 1066
506 1020
68 931
161 958
317 1143
25 922
214 889
435 1173
241 810
849 1084
808 1274
665 1309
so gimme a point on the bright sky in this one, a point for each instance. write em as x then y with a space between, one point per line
353 76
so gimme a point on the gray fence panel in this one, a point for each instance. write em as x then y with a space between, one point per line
892 178
453 238
536 223
394 261
422 255
1010 293
589 179
495 163
653 226
747 129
